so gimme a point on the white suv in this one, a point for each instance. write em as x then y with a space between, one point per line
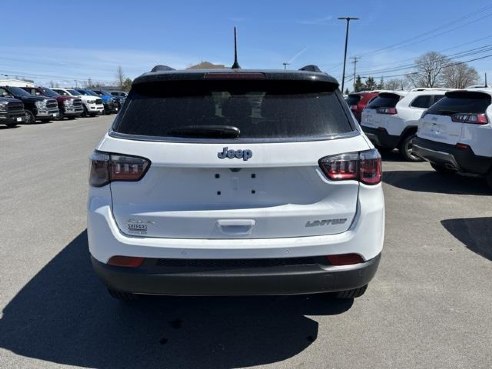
455 134
391 119
92 105
235 182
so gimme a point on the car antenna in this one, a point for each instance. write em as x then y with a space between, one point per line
486 80
236 64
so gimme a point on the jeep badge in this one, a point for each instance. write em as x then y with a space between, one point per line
238 154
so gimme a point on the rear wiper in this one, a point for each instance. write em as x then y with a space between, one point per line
205 131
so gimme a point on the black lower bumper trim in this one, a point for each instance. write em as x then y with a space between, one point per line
459 159
278 280
381 138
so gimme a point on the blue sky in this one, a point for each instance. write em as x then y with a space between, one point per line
63 41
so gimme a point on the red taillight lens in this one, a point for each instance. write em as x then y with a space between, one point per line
363 166
126 261
341 167
106 168
370 167
386 110
469 118
344 259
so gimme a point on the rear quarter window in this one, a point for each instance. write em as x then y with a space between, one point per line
384 100
461 102
260 110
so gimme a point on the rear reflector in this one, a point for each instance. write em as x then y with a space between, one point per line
462 146
469 118
126 261
344 259
362 166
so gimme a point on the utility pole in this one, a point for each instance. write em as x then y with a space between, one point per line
355 60
348 19
285 65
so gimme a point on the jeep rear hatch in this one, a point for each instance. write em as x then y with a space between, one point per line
265 183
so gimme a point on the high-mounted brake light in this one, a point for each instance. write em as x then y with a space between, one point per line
106 168
472 118
234 75
362 166
390 111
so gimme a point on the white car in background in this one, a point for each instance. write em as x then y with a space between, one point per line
92 104
455 134
391 119
237 182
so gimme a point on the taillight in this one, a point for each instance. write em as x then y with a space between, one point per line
386 111
362 166
106 168
469 118
353 107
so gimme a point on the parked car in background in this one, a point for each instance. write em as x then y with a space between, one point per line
108 103
11 111
357 101
119 93
391 119
92 105
36 107
111 103
455 134
69 106
205 196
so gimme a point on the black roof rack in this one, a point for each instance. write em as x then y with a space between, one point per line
311 68
162 68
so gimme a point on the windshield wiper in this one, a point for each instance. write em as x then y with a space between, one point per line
206 131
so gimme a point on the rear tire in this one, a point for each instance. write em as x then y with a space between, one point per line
351 294
122 296
442 170
12 125
405 148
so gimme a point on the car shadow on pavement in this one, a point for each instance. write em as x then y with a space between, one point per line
64 315
392 156
474 233
431 181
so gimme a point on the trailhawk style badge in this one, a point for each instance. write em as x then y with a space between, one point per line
238 154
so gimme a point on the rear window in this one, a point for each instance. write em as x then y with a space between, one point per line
271 110
353 99
384 100
461 102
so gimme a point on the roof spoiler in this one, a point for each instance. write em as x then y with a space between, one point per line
162 68
311 68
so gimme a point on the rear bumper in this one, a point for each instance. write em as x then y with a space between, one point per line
461 160
381 138
278 280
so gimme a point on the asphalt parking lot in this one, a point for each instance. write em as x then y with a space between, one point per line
429 306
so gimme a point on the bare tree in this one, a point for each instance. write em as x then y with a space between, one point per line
396 84
120 77
459 75
429 70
